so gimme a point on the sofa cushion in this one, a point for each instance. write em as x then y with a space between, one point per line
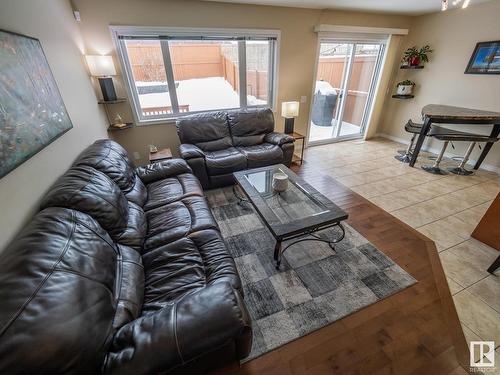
175 220
134 233
172 189
131 292
249 126
262 155
138 194
58 295
224 161
185 265
209 131
111 159
87 190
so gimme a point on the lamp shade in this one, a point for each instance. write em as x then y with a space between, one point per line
100 66
289 109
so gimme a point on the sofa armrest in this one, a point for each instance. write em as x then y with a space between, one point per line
193 327
189 151
278 138
163 169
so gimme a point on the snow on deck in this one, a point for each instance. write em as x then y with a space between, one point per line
201 94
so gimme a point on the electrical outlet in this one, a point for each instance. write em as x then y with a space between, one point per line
137 156
303 99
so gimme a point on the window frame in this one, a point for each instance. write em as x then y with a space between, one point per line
156 33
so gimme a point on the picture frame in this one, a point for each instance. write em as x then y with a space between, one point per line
485 59
32 111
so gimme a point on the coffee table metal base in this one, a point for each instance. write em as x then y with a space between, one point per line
279 251
300 236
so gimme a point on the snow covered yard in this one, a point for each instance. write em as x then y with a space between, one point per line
201 94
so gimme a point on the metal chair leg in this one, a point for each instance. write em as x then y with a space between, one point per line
434 169
405 158
460 170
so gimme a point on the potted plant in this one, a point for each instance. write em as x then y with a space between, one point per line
405 87
414 56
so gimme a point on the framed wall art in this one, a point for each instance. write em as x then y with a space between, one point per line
32 112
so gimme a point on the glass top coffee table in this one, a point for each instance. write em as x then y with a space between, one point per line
296 213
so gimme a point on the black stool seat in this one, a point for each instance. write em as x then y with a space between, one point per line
444 134
411 127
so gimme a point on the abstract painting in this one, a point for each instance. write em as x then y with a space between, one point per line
485 59
32 112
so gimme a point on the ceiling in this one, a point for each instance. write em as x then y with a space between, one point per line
410 7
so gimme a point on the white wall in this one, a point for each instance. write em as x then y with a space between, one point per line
453 36
51 22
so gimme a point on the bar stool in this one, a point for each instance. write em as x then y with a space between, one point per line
449 135
446 135
473 139
413 128
435 169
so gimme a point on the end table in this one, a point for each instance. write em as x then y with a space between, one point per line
161 154
298 137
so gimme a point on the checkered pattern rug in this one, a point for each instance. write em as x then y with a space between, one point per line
315 285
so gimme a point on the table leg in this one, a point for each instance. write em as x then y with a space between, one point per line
277 254
302 153
420 141
494 266
241 200
494 133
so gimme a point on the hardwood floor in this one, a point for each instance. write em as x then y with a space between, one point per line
416 331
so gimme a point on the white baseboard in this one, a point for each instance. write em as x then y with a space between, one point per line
487 167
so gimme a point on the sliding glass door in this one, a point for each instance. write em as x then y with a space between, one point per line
347 73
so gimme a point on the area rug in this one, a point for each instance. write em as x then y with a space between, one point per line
315 285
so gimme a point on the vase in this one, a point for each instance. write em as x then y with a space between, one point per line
404 89
280 182
414 61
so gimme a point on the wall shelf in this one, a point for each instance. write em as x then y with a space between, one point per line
119 100
127 126
411 67
403 96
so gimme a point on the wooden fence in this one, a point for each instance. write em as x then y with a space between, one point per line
256 79
330 69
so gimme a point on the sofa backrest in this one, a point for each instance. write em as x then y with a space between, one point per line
111 159
58 291
74 275
249 126
209 131
87 190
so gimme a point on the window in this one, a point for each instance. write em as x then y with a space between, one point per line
173 72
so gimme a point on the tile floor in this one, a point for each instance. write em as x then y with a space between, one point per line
443 208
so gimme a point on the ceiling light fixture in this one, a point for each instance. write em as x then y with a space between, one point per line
455 3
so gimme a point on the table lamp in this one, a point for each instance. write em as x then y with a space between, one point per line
289 110
102 67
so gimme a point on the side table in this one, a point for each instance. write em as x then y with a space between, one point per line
298 137
161 154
